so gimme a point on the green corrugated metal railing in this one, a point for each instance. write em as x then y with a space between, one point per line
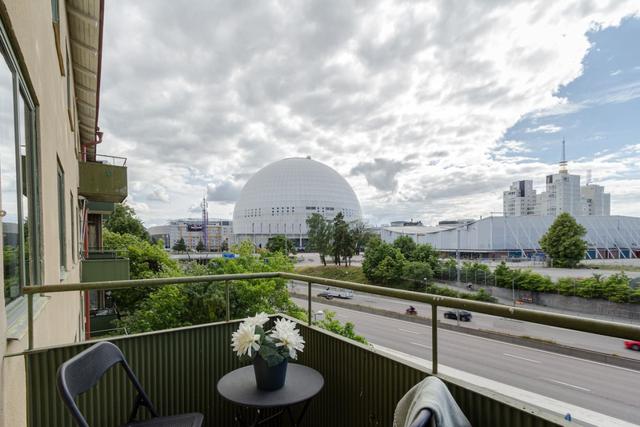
180 368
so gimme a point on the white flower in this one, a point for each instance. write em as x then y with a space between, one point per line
245 339
286 334
258 320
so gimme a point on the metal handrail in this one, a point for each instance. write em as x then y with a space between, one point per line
601 327
113 159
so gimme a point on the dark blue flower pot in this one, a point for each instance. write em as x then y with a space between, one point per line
269 377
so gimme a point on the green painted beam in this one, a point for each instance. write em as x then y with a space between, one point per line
104 208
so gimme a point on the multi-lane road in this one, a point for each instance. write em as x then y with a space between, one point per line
588 388
567 337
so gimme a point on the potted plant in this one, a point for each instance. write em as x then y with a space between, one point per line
269 349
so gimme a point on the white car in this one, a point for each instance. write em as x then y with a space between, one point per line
336 293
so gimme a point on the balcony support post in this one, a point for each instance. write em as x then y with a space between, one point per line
309 302
226 291
30 319
434 339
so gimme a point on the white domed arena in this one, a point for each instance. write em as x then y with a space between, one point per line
280 197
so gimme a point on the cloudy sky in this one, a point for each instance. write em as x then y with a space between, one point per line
429 109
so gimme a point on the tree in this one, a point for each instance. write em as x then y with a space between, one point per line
123 220
426 253
200 246
343 243
180 246
206 302
406 245
330 323
418 274
320 234
564 242
146 261
224 246
360 235
280 243
383 263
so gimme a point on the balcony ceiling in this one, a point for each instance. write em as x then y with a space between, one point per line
85 18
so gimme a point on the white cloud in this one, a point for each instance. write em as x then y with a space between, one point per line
544 129
159 193
206 95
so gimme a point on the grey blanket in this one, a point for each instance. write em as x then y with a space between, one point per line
431 393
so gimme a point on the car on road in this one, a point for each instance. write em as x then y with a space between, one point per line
632 345
336 293
465 316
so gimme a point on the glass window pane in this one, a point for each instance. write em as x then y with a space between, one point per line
62 221
9 187
26 175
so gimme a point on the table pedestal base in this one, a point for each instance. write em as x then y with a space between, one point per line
292 420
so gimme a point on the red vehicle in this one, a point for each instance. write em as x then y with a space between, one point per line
632 345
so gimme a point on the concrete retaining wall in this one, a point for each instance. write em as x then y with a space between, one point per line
597 307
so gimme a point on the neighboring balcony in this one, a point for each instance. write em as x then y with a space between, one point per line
105 266
104 180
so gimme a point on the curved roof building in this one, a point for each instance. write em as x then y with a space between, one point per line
280 197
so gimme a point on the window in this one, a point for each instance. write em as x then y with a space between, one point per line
55 18
55 11
70 104
62 232
72 211
18 183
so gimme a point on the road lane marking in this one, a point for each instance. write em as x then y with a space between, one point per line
411 332
568 385
420 345
521 358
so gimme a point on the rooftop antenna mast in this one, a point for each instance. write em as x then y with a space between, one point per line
205 221
563 159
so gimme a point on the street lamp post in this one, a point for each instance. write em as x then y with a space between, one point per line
458 270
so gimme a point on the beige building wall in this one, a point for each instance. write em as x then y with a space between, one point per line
59 316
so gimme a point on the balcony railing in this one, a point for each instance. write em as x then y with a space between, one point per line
101 265
103 182
180 367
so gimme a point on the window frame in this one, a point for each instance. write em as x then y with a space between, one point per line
72 212
27 172
62 217
55 22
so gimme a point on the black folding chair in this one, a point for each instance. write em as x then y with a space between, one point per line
80 373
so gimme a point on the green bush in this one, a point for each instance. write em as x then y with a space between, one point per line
418 274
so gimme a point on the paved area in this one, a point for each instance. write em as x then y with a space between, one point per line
602 388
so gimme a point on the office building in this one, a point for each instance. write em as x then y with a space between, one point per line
563 193
219 234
